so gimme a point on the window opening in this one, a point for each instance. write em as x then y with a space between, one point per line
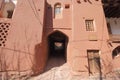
4 28
7 8
58 10
89 25
67 6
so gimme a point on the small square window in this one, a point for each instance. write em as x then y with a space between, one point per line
89 25
67 6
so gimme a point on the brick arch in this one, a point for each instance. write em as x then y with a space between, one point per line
56 31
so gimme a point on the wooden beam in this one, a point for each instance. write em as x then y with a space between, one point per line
114 11
118 13
111 8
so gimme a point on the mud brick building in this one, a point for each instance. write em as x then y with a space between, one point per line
85 32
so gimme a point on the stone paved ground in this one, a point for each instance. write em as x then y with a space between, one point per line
57 69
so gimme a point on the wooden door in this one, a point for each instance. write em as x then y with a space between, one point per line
94 62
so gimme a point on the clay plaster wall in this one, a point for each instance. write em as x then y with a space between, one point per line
82 39
73 25
23 43
27 43
114 36
64 24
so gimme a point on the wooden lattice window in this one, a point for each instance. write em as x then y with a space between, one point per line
89 25
4 28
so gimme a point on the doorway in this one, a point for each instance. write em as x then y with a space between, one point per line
57 49
94 62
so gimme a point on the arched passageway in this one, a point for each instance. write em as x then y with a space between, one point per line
57 49
57 44
116 52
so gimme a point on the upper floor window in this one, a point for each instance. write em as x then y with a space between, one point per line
58 10
67 6
89 25
7 8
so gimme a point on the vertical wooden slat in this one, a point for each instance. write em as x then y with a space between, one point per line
94 61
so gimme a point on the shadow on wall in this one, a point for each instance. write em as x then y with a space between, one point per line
47 48
43 52
40 56
49 16
57 49
37 65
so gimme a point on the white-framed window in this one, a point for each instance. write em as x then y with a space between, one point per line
89 25
58 10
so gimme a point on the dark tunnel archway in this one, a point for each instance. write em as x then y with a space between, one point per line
57 44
